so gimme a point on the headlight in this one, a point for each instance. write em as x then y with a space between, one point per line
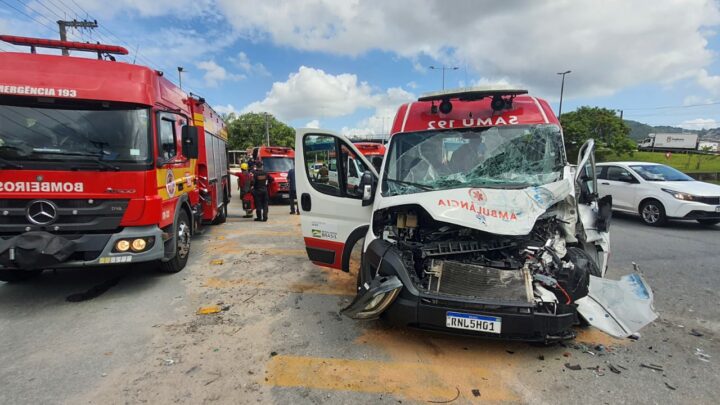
139 245
679 195
122 245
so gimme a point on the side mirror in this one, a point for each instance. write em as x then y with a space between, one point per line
367 185
190 142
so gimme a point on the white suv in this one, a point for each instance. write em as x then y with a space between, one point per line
658 192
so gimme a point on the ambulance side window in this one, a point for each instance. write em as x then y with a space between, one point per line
167 136
354 168
321 163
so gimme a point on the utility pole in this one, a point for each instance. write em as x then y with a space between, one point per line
180 71
562 88
444 68
267 131
63 25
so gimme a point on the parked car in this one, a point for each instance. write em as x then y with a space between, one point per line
658 192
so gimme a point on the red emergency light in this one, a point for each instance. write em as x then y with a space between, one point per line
34 43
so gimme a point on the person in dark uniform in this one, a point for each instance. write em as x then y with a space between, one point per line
293 192
260 182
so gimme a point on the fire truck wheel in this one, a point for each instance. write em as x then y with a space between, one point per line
221 217
14 276
182 243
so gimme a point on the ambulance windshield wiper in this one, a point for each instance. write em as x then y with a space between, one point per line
97 159
416 185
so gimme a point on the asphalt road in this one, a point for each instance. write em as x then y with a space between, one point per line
279 339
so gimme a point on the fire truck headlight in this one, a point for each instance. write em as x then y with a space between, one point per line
139 245
122 245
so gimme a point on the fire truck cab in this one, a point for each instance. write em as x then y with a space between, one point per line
475 223
277 161
373 151
102 162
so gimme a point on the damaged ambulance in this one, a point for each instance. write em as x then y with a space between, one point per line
476 224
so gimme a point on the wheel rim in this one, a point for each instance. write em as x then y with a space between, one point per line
651 213
183 239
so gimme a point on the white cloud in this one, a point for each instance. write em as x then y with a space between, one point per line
242 61
312 124
310 93
608 45
699 123
214 73
412 85
225 109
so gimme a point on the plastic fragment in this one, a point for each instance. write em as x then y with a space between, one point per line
574 367
216 262
209 310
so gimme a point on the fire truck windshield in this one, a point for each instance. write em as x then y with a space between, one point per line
277 164
515 156
77 131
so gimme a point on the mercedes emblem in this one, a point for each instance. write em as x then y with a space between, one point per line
42 212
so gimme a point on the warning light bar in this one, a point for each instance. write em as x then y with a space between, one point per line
34 43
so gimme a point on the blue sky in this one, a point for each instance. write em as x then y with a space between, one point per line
347 65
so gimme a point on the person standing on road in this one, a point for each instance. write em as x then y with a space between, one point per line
260 182
293 192
244 185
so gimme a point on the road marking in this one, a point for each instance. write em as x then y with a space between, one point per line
420 382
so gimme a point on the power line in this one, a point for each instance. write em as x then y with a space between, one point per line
28 15
669 107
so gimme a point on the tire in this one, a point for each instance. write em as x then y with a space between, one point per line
221 217
181 237
652 213
708 222
15 276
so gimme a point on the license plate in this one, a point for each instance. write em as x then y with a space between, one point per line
480 323
285 195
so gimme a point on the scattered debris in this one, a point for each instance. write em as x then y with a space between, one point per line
216 262
510 351
624 368
273 354
225 308
655 367
574 367
457 395
566 354
541 357
670 386
212 309
634 336
169 362
701 355
476 392
613 369
597 370
600 348
694 332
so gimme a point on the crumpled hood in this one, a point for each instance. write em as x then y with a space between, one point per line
503 212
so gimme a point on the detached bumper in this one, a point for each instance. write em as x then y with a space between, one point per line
415 308
29 251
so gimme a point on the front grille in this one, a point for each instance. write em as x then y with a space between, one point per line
708 200
73 215
484 283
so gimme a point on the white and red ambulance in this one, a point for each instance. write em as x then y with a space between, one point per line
476 222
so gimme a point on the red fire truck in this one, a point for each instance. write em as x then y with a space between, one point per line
373 151
276 160
102 162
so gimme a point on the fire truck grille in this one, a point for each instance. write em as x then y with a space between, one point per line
61 216
480 282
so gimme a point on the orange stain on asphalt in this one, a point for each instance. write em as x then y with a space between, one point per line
594 336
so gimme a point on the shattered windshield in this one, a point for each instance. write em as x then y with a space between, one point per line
516 156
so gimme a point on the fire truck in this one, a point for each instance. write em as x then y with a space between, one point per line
102 162
373 151
476 223
277 161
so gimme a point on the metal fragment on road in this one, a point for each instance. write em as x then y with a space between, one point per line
209 310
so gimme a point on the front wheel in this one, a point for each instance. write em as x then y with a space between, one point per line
652 213
181 238
221 217
15 276
708 222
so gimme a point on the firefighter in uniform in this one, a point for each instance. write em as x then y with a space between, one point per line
244 185
260 182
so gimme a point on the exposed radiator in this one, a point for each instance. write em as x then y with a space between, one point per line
486 283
